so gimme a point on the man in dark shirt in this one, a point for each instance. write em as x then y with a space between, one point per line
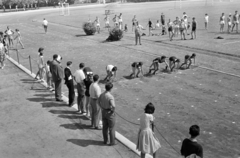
190 146
69 82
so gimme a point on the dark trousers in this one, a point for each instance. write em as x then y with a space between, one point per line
71 93
138 38
81 97
108 119
58 89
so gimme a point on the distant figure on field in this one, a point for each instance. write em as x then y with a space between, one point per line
235 21
97 22
138 33
9 34
120 21
206 18
229 22
45 25
134 22
18 37
194 28
222 22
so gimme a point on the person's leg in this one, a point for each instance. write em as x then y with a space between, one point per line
105 127
195 34
98 114
93 109
87 106
156 66
143 155
233 26
72 93
58 90
136 39
21 44
155 155
111 126
140 42
237 27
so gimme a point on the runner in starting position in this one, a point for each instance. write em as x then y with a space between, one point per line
136 66
172 62
111 73
155 64
188 61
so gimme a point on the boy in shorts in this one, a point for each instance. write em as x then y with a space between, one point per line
194 28
188 61
170 30
136 66
111 73
229 22
235 21
172 62
45 25
155 64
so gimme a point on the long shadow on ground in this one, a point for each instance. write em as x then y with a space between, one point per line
86 142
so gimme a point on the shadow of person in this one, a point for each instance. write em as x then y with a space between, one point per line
76 126
128 77
53 104
73 117
86 142
80 35
62 112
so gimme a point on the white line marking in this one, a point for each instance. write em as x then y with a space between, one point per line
231 42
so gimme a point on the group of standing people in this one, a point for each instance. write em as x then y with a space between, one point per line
232 22
6 43
91 101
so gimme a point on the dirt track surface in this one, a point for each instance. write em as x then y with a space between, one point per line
195 96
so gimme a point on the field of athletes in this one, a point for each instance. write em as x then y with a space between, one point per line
208 94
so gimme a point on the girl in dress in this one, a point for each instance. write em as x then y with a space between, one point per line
147 142
18 37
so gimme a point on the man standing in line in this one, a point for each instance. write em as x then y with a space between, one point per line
79 77
69 83
45 25
95 92
107 104
57 75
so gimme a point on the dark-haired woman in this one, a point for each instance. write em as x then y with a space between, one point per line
147 142
88 81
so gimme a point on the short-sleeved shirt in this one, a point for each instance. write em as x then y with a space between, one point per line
105 99
189 147
94 90
45 22
145 120
194 24
79 76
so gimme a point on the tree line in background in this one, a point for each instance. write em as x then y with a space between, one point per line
12 4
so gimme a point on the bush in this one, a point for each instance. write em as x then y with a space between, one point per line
89 28
115 34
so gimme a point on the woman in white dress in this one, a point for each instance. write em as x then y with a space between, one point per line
147 142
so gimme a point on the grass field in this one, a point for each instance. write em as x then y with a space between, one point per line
182 98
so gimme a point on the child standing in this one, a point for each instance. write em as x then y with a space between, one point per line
107 25
120 21
134 22
222 22
138 32
194 28
18 37
229 22
147 141
150 26
206 21
97 22
170 29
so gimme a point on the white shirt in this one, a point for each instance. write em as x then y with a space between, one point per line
79 76
45 22
110 67
206 18
94 90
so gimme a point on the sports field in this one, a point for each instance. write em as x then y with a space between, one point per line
182 98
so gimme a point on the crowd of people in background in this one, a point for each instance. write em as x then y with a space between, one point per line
232 22
6 42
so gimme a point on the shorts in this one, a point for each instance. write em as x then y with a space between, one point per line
45 26
222 22
229 24
107 22
163 22
170 29
98 25
236 22
194 28
181 29
120 20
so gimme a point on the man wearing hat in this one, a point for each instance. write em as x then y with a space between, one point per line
57 75
69 82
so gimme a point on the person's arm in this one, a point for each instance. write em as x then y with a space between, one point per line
112 104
